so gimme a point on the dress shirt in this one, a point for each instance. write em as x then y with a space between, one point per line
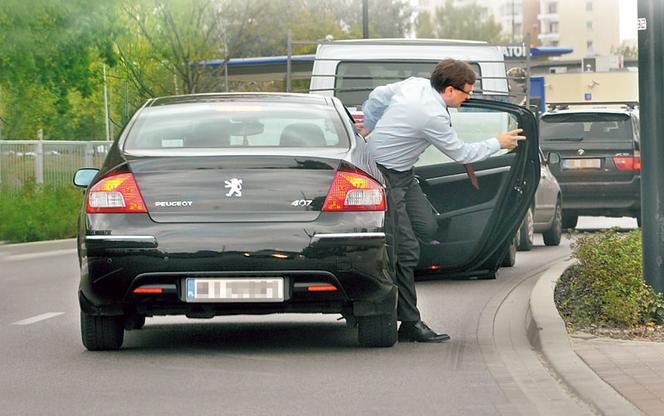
407 117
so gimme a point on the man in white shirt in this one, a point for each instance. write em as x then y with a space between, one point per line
404 119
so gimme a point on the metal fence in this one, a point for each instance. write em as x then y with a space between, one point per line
47 162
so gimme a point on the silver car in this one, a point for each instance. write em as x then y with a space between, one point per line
545 213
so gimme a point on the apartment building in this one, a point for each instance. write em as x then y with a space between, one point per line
589 27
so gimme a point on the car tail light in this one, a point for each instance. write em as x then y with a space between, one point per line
354 190
627 162
116 193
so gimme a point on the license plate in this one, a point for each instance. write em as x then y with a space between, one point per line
235 290
581 163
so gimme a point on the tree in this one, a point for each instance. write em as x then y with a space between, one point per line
52 52
424 25
465 22
626 50
47 48
52 43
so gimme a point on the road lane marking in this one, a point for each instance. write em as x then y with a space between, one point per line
38 318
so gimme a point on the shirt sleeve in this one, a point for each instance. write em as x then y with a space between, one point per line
374 107
438 132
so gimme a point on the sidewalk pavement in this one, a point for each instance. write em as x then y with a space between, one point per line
26 250
615 377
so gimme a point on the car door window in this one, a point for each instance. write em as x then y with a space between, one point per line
472 125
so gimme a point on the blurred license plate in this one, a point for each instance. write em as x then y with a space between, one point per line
581 163
235 290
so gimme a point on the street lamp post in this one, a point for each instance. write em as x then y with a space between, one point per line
651 99
365 19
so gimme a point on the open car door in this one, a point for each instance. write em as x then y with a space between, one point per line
476 226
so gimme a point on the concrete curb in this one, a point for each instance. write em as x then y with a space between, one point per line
37 247
547 334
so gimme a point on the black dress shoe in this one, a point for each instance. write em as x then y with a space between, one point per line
419 332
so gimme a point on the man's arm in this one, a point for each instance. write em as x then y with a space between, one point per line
374 107
439 133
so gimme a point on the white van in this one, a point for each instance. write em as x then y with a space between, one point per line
351 69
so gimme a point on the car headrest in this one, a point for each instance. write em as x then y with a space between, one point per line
302 135
209 134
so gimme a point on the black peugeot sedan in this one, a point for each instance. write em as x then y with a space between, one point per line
223 204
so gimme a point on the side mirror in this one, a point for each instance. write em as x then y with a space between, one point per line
553 158
83 177
535 109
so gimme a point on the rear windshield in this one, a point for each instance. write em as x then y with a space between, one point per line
585 127
355 80
236 125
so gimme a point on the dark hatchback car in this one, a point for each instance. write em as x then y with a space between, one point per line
223 204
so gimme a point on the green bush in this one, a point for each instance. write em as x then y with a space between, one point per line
606 287
37 213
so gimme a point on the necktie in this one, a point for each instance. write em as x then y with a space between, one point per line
469 169
471 175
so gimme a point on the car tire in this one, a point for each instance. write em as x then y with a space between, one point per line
100 333
510 256
569 221
527 232
377 330
553 234
134 322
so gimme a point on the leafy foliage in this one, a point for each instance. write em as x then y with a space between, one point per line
626 50
39 213
52 52
607 287
469 22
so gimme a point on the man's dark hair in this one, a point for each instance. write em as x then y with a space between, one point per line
452 73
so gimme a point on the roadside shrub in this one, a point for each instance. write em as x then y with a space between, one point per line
37 213
606 287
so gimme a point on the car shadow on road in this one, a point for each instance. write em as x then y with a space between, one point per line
243 337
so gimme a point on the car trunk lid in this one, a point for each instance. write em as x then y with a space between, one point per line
234 188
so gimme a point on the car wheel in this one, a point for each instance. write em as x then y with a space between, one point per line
553 234
134 322
510 257
101 333
377 330
527 232
569 221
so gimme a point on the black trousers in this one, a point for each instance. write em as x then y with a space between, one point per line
409 220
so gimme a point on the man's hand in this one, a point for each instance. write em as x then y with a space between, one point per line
510 139
361 129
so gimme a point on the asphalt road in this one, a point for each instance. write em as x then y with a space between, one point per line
278 365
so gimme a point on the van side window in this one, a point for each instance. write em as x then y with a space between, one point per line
355 80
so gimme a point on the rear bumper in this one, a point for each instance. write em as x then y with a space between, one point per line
602 198
303 254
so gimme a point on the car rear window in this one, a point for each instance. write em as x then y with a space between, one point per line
356 79
236 125
585 127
